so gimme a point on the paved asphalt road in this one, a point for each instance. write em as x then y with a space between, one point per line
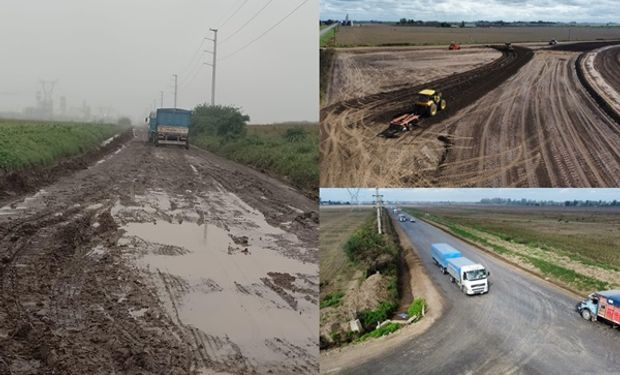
522 326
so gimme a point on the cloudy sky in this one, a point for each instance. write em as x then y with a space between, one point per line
474 195
473 10
122 53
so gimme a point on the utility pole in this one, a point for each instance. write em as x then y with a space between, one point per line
212 65
175 89
378 205
161 102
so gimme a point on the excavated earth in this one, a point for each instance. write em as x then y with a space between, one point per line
159 261
523 120
608 64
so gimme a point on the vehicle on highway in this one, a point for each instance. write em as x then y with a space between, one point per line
412 219
471 277
553 42
441 252
402 218
170 126
601 305
454 46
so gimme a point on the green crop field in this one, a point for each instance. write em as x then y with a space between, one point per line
25 144
290 150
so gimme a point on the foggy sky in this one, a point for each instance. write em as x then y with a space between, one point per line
602 11
474 194
120 54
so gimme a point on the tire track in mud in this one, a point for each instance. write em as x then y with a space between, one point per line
351 155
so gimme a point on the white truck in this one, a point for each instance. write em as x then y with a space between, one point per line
472 278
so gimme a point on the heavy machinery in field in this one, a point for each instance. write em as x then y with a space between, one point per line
426 104
429 101
454 46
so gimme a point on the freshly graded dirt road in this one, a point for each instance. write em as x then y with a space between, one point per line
160 260
523 325
540 128
531 123
608 64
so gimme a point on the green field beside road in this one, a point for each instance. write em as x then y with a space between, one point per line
288 150
25 144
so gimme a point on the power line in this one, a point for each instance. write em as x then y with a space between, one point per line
264 33
233 14
248 21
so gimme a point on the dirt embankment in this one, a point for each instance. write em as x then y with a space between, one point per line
351 153
15 184
598 72
414 283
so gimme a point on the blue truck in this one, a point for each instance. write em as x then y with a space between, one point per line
469 276
441 252
170 126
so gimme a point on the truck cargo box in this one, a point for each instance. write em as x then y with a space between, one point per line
609 305
441 252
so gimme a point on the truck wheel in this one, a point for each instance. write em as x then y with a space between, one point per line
585 313
432 110
443 270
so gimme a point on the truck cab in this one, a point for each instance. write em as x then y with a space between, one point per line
601 305
471 277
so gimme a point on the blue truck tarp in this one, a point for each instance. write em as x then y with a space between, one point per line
441 252
613 295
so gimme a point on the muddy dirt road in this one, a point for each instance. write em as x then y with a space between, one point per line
523 325
539 127
160 260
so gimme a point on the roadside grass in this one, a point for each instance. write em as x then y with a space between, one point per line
25 144
385 330
289 150
329 38
326 59
504 235
417 307
332 299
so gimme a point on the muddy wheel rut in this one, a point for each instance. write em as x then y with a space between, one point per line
125 267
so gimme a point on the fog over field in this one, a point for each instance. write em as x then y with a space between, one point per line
472 10
116 56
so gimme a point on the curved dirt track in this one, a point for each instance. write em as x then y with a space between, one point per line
160 260
607 63
353 155
522 326
540 128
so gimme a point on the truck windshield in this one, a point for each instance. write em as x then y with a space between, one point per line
476 275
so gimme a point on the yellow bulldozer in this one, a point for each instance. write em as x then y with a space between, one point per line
429 101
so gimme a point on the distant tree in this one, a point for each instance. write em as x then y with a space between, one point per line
223 121
124 121
462 24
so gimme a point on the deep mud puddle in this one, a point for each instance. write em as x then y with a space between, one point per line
235 283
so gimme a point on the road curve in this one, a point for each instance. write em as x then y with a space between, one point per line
523 325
